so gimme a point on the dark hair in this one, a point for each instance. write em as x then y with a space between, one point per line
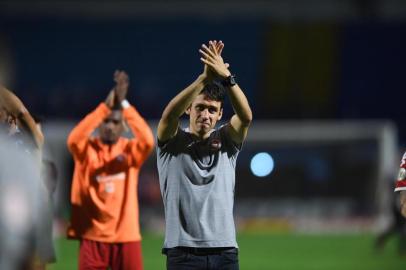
214 91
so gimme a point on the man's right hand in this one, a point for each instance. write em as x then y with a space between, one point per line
211 57
207 72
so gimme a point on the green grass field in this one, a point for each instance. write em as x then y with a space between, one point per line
262 251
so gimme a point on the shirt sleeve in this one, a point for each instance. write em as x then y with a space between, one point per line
232 147
401 180
78 138
143 142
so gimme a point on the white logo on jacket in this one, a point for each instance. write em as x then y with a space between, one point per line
109 180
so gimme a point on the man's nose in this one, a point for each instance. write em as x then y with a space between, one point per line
205 113
110 125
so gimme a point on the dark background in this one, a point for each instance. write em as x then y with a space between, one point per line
334 60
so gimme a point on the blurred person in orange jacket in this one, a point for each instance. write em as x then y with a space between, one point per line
105 215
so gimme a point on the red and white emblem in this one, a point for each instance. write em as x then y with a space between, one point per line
215 144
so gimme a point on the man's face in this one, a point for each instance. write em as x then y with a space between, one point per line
111 128
204 114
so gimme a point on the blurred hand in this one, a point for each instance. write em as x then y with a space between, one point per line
211 57
110 99
122 83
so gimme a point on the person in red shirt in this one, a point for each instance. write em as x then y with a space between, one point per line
105 216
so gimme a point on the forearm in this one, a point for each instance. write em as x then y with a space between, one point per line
84 129
15 107
180 102
169 121
11 102
139 127
28 124
240 104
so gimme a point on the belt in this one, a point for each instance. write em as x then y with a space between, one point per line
207 251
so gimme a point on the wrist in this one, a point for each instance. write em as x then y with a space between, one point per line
229 81
227 74
125 104
203 78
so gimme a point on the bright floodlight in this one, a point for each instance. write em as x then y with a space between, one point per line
262 164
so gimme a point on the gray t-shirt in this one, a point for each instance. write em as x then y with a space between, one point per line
197 180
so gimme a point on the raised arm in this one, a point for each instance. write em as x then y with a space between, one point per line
143 142
15 107
169 122
240 121
79 136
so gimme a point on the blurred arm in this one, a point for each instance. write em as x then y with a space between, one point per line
143 143
79 136
14 106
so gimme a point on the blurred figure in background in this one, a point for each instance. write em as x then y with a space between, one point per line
399 209
105 215
19 121
197 168
397 227
24 195
401 185
49 171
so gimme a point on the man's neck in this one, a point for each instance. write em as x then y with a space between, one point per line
198 136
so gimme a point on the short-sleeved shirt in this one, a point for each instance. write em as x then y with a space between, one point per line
197 180
401 181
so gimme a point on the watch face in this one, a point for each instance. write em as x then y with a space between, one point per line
232 80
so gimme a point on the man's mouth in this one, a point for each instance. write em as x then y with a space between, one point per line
204 124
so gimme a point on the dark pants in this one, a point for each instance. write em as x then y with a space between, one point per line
184 258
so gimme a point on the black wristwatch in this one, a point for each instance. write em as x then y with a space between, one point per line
229 81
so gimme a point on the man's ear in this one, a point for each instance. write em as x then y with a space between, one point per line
188 110
220 114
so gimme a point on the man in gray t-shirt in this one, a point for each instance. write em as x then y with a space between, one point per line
197 168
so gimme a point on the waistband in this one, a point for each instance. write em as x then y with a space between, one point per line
203 251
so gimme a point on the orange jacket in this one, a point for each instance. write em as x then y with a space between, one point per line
104 193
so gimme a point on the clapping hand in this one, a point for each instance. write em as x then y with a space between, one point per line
214 63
